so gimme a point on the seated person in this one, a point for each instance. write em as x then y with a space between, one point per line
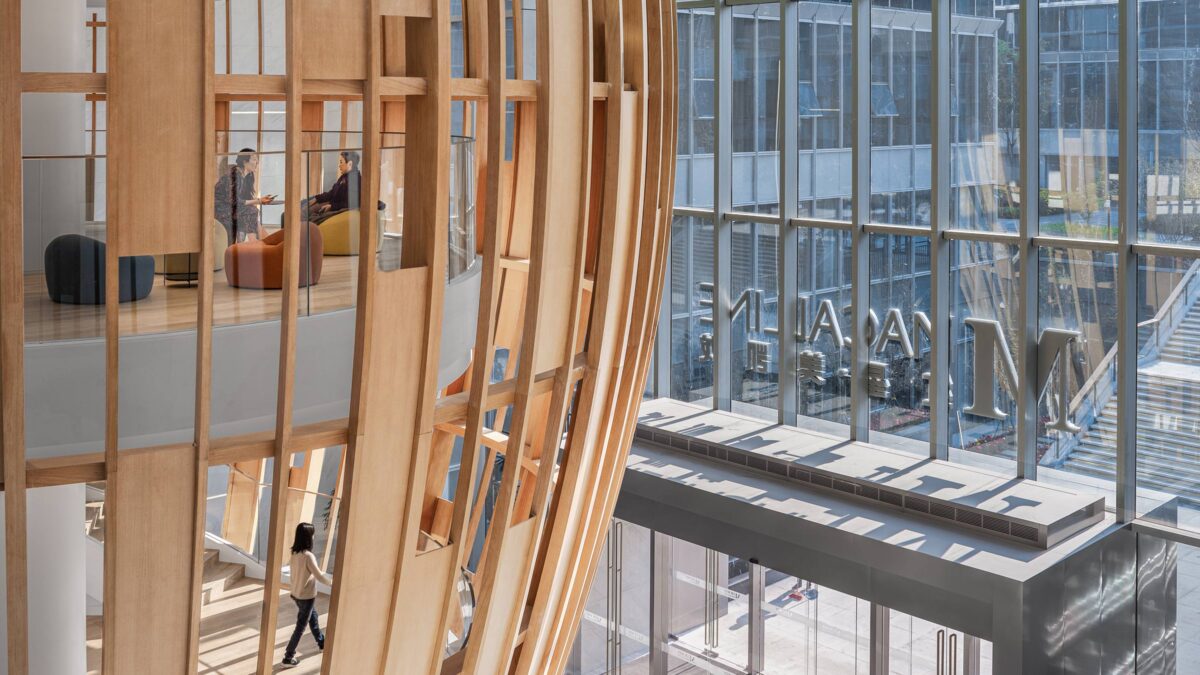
342 195
236 200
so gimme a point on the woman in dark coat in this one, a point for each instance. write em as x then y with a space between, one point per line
236 201
342 195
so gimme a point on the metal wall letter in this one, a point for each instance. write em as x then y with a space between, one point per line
826 320
1054 346
989 343
894 331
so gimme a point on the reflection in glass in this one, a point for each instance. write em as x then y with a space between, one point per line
755 96
1169 124
754 319
900 295
813 630
707 609
692 298
697 108
1077 194
1168 405
985 111
823 274
983 283
1076 293
825 109
900 115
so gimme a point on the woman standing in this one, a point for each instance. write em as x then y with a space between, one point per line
237 203
305 575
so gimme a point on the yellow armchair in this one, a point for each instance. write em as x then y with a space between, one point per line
186 266
340 233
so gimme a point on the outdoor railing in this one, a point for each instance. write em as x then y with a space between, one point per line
1153 334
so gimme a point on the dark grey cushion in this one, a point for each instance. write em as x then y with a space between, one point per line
74 267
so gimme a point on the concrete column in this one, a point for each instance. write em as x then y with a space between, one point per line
57 582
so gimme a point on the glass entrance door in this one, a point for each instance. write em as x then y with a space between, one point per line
919 647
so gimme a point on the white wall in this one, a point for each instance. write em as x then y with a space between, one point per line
53 39
57 582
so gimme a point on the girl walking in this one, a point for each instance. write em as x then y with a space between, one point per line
305 575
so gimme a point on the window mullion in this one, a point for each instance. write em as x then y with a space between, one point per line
1027 358
722 197
860 303
939 246
1126 469
787 144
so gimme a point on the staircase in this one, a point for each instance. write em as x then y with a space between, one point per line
220 578
1184 345
1168 414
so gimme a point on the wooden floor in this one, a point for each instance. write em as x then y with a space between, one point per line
229 629
171 306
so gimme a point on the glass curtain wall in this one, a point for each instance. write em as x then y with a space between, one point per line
1012 215
661 604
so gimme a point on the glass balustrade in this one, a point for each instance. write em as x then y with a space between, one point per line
65 201
65 230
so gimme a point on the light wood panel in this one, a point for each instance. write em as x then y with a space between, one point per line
154 502
556 617
378 464
12 340
573 232
336 49
295 16
156 103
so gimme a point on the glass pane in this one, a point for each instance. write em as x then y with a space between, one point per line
1077 194
901 72
633 619
754 319
707 609
1076 293
754 123
244 309
823 274
811 630
691 309
1169 127
63 266
983 314
697 108
900 295
985 112
825 113
918 647
57 37
1168 414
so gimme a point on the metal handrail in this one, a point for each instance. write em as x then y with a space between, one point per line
262 484
1094 393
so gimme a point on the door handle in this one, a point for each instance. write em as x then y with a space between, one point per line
941 651
953 654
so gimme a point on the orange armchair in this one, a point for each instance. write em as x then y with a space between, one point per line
259 264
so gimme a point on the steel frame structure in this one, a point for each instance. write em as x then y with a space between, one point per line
1029 241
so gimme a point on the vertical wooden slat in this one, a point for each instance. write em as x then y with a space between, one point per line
426 229
154 127
553 622
204 316
343 513
560 208
154 589
296 230
112 329
12 336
